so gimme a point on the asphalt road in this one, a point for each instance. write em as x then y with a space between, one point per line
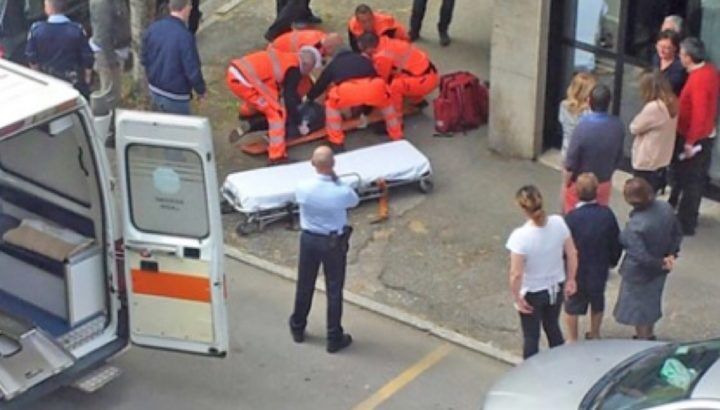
389 365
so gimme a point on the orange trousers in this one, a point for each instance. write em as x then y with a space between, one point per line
362 91
269 105
415 88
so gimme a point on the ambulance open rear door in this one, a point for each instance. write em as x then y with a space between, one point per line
172 232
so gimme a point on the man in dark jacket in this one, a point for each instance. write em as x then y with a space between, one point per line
110 20
596 146
596 233
171 60
59 47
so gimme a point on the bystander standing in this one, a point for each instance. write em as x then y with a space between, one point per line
595 232
654 130
673 22
59 47
290 12
323 202
651 240
543 264
667 61
171 60
418 14
697 130
575 104
596 146
110 20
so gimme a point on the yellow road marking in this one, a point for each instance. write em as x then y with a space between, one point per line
410 374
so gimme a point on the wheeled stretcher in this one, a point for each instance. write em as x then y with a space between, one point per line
267 195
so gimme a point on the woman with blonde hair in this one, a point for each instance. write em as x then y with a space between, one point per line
654 129
575 104
543 264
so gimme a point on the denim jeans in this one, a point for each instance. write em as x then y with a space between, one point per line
170 106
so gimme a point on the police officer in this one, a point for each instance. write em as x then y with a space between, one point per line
325 236
59 47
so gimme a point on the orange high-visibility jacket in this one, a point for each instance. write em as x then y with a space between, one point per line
385 25
292 41
397 56
267 66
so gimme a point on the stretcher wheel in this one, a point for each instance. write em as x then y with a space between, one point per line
245 227
426 185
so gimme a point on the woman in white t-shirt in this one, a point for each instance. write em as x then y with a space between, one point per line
537 270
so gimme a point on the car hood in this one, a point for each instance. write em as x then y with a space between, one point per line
559 378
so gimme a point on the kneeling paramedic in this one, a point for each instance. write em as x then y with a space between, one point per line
351 81
323 202
268 83
405 67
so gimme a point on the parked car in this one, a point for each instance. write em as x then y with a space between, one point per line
614 374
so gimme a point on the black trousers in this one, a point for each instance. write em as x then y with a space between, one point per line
195 16
656 179
545 314
418 14
690 177
288 12
314 251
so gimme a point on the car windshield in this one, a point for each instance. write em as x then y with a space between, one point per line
660 376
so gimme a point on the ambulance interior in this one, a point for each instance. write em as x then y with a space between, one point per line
52 265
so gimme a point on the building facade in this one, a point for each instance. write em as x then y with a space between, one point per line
537 46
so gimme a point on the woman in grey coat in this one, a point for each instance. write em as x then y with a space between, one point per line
651 240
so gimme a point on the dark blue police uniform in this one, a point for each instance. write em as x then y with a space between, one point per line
59 47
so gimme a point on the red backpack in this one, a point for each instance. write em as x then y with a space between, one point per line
462 103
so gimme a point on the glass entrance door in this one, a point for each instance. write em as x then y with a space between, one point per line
612 39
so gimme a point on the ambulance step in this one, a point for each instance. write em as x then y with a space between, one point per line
28 356
83 333
98 378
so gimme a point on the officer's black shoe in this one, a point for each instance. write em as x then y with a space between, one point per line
414 36
444 39
336 148
334 346
298 335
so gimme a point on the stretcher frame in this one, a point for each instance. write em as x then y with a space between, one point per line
257 220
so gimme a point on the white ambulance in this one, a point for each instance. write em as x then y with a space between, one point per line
69 300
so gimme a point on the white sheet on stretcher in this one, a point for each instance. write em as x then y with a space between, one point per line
274 187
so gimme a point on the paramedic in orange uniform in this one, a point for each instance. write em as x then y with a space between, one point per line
351 81
405 67
293 41
267 82
367 20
